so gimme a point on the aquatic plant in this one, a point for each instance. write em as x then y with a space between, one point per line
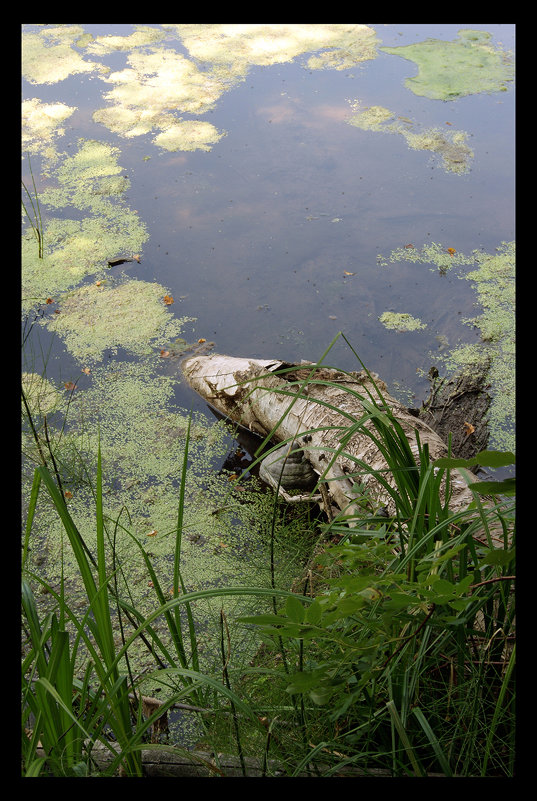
34 218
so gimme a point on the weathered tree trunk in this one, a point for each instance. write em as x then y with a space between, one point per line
321 403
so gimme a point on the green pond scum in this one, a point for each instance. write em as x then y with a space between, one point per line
158 85
76 246
127 410
494 279
131 315
400 321
466 66
450 147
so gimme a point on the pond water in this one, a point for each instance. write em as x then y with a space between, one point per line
270 237
272 186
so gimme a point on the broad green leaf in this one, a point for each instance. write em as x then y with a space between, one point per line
505 487
498 557
314 613
303 681
321 695
294 609
484 458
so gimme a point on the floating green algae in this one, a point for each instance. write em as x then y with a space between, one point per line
151 88
450 146
42 125
188 135
132 315
435 254
465 66
400 321
49 56
79 245
494 279
142 36
237 47
127 410
159 85
42 397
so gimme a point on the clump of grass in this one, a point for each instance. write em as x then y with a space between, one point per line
78 686
403 657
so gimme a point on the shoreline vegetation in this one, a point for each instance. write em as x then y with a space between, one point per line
396 657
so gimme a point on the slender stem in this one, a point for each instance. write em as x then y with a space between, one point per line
37 226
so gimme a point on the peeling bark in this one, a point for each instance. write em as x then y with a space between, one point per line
319 403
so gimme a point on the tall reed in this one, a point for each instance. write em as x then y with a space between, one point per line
35 217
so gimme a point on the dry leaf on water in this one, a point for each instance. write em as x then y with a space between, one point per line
468 429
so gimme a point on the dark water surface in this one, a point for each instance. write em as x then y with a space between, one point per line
254 238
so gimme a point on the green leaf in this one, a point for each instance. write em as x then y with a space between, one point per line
303 681
294 609
321 695
262 620
314 613
484 458
505 487
495 458
498 557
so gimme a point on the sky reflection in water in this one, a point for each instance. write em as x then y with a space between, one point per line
271 239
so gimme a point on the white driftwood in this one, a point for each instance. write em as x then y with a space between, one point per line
249 393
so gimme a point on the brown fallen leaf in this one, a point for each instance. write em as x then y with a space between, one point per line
201 341
468 429
70 385
346 272
451 251
164 354
152 533
168 300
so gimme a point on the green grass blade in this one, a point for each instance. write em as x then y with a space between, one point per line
498 709
440 755
398 723
36 483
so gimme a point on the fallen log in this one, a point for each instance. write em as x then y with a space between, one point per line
321 407
162 762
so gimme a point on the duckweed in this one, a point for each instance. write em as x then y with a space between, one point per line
466 66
